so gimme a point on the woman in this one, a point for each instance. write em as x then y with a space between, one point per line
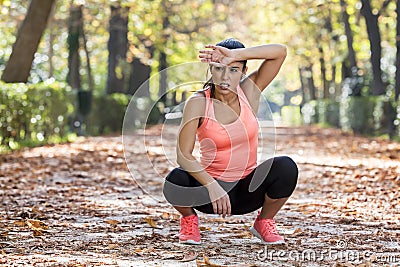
222 116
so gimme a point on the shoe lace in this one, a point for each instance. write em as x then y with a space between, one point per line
190 225
269 226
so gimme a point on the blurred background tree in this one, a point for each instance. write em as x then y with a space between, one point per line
27 41
341 70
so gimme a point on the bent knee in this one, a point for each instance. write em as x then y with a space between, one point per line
177 176
286 165
288 173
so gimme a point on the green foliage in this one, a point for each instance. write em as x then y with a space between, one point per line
384 115
155 115
368 115
372 115
107 114
291 115
43 113
356 115
396 107
191 25
37 112
328 112
325 112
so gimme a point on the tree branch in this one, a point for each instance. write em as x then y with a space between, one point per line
384 6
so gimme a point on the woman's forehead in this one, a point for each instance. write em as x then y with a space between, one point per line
236 64
233 64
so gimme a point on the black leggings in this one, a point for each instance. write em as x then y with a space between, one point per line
276 177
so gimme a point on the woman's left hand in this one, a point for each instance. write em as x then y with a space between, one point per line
218 54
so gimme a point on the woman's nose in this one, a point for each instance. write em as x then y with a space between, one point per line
225 73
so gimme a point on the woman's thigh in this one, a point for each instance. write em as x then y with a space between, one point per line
182 189
275 178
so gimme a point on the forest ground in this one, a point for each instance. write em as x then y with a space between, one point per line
76 204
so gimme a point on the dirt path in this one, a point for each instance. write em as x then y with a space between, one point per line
77 205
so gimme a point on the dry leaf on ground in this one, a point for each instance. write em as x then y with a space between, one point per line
189 256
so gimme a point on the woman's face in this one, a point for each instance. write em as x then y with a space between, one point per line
227 77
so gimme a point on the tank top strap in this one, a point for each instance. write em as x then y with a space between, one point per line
208 113
207 92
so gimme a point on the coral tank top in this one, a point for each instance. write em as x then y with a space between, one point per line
228 151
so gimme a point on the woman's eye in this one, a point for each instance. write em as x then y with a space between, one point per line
234 70
218 68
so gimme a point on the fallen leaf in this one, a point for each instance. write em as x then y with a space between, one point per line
165 215
207 263
139 251
151 222
244 234
36 225
112 246
297 232
113 222
37 233
346 264
189 256
20 223
206 260
167 256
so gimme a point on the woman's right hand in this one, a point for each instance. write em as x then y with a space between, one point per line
219 199
217 54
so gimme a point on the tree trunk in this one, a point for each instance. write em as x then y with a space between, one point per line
117 49
184 96
163 65
162 93
349 36
140 74
19 65
174 98
88 65
378 87
51 54
335 85
325 83
51 43
330 90
397 86
310 83
303 86
74 33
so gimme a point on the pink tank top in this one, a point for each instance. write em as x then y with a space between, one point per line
228 151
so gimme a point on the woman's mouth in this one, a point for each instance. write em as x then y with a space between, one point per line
224 85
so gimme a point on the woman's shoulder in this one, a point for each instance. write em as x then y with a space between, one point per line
196 103
200 94
198 97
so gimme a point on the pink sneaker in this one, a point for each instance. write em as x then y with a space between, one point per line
189 233
265 229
